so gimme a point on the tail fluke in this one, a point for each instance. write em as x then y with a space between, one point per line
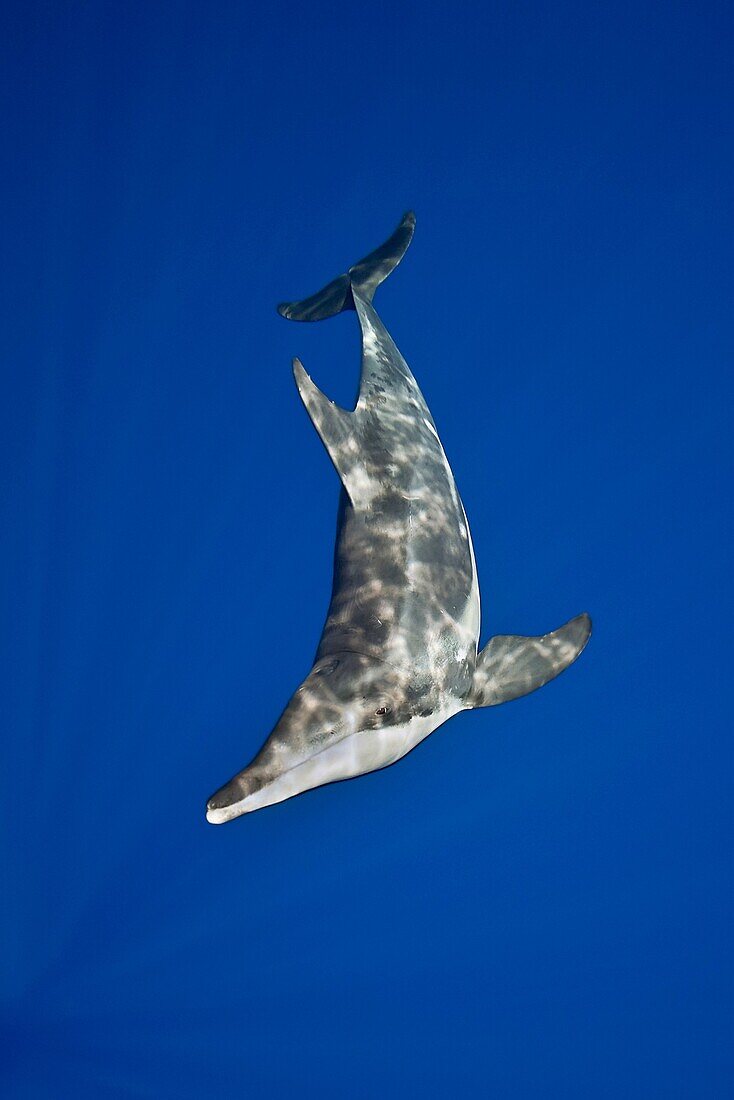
365 277
510 665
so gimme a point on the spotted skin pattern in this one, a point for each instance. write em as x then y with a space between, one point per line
398 652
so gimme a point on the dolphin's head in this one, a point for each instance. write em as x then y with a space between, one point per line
316 740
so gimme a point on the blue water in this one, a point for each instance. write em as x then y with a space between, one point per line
538 901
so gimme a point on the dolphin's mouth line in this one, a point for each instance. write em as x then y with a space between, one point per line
230 811
297 767
400 749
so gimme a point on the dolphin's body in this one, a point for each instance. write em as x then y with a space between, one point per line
398 653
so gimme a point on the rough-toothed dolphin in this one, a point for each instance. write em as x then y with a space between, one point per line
398 654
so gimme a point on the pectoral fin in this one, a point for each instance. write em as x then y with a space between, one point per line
511 665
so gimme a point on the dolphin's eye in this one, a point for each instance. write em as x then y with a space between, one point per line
382 710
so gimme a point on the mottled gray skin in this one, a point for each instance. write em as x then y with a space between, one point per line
404 584
398 653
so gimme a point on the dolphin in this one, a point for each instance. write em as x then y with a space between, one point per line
398 655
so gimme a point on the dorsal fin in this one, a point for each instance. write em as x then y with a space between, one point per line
335 425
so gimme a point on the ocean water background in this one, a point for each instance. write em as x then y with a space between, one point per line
538 901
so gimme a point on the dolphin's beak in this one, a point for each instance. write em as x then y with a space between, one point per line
217 815
253 789
230 800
